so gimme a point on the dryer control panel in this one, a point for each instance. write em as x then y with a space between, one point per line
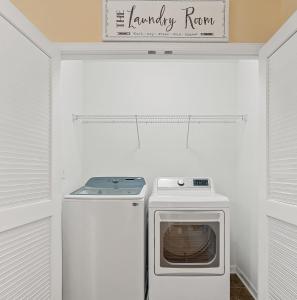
196 183
201 182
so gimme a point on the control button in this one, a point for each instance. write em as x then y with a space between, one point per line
180 182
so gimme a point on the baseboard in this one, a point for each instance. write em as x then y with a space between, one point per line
251 288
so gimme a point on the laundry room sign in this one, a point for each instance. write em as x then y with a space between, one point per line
192 20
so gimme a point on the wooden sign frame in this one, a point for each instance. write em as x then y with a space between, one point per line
170 20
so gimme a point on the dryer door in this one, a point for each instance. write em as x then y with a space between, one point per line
189 242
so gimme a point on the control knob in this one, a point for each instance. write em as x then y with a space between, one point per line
180 182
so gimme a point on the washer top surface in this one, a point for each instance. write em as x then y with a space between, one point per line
110 187
186 192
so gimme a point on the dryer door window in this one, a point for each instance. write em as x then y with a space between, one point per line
189 243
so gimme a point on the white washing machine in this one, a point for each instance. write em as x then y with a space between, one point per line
104 240
189 241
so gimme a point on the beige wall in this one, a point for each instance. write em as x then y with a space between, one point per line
287 7
80 20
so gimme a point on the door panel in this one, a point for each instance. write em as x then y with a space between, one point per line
278 150
24 120
282 260
25 261
30 194
282 123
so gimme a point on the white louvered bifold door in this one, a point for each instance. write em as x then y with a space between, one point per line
30 210
278 199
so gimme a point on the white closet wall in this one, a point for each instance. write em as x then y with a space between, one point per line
221 151
168 87
72 96
246 205
152 87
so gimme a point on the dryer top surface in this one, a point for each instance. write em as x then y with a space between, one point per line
186 192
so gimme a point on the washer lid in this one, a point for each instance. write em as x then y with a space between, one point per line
112 186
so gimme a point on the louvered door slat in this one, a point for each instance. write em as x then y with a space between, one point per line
282 125
278 262
30 240
25 260
282 260
25 120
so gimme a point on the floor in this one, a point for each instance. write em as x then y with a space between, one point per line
238 290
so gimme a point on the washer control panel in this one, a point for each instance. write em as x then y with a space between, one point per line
195 183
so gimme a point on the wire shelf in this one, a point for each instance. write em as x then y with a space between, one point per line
149 119
161 119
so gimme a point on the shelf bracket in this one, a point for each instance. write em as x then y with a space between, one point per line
244 118
74 117
137 130
188 131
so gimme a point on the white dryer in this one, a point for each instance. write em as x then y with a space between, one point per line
189 241
104 240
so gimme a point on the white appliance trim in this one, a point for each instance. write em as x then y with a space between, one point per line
233 269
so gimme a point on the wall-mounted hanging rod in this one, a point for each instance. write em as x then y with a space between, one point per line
161 119
147 119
